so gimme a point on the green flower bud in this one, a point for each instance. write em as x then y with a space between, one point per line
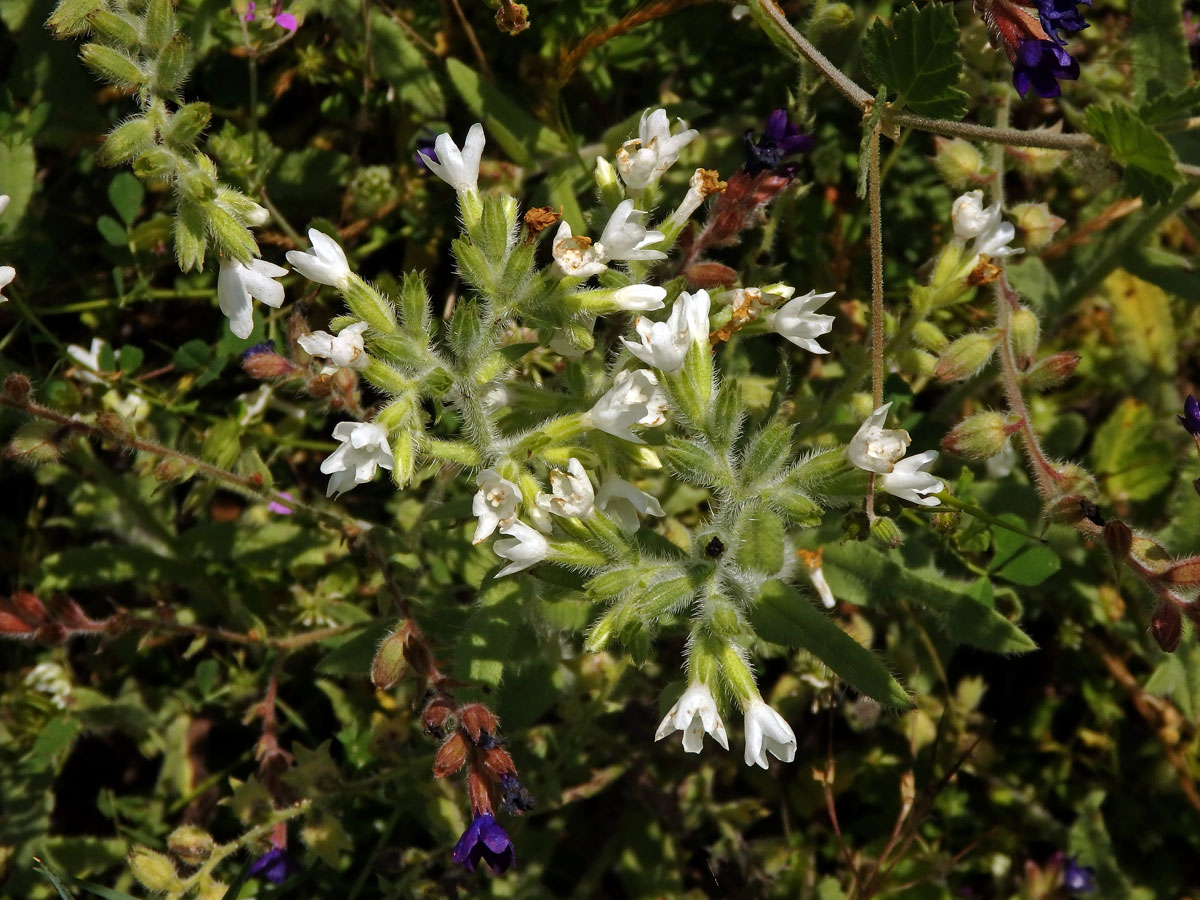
173 65
156 164
390 665
887 532
930 336
1051 371
155 871
1036 224
191 844
725 621
159 25
817 469
34 443
737 675
70 17
197 185
978 437
608 185
191 235
174 471
917 361
830 18
1024 330
115 27
188 124
369 305
959 162
965 356
113 66
602 631
127 141
797 507
233 239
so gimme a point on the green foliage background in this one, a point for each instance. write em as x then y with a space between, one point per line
1086 744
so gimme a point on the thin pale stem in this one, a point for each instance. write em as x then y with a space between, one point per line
876 212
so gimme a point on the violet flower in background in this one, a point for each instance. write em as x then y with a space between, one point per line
278 508
425 150
1191 416
485 840
275 865
1061 15
780 139
1039 64
1079 879
249 16
284 20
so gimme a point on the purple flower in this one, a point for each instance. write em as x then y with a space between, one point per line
1079 879
275 865
1061 15
781 139
249 17
516 797
487 841
425 150
287 22
1039 64
1191 416
278 508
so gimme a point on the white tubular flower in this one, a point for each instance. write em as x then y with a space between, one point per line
364 449
638 297
991 234
344 350
1002 463
523 547
876 448
623 501
766 731
51 679
256 215
572 495
7 274
643 160
458 168
577 256
798 321
695 714
702 183
495 503
664 345
909 481
634 399
4 200
325 263
624 236
89 360
812 565
237 283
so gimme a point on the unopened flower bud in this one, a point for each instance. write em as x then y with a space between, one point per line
1051 371
389 665
477 719
1186 572
959 162
887 532
1024 330
261 361
607 183
17 387
1118 538
977 437
930 336
1036 224
191 844
174 471
34 443
451 756
127 141
155 871
512 18
725 622
1167 626
438 716
965 356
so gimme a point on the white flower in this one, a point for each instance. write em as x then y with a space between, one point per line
50 678
991 234
634 399
256 214
766 731
237 283
812 565
4 199
702 183
909 481
694 713
1002 463
623 501
577 256
572 492
494 503
798 321
665 345
560 343
458 168
88 359
343 350
644 159
364 448
638 297
876 448
325 263
624 236
523 548
7 274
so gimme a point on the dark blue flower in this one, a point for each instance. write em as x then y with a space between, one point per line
781 139
1061 15
425 145
265 347
1079 879
487 841
516 797
1191 416
1039 64
275 865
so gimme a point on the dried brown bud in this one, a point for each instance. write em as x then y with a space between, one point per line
1051 371
538 219
451 757
1119 539
25 606
479 790
707 182
263 362
389 665
191 844
1167 626
1186 572
476 719
438 716
498 761
17 387
65 610
983 273
710 275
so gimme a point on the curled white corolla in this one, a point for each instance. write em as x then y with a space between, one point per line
875 448
643 160
664 345
798 321
344 350
572 494
238 283
638 297
364 448
577 256
984 225
523 547
495 503
695 714
908 479
324 263
625 237
766 731
458 168
634 399
624 502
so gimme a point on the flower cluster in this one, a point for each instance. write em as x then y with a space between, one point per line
881 451
1034 44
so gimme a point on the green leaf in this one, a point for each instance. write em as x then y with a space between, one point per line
53 741
1089 842
918 58
126 194
112 231
1167 106
192 356
1019 559
401 64
1178 677
522 137
784 616
483 647
18 166
761 541
1134 463
1148 159
1159 47
130 358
